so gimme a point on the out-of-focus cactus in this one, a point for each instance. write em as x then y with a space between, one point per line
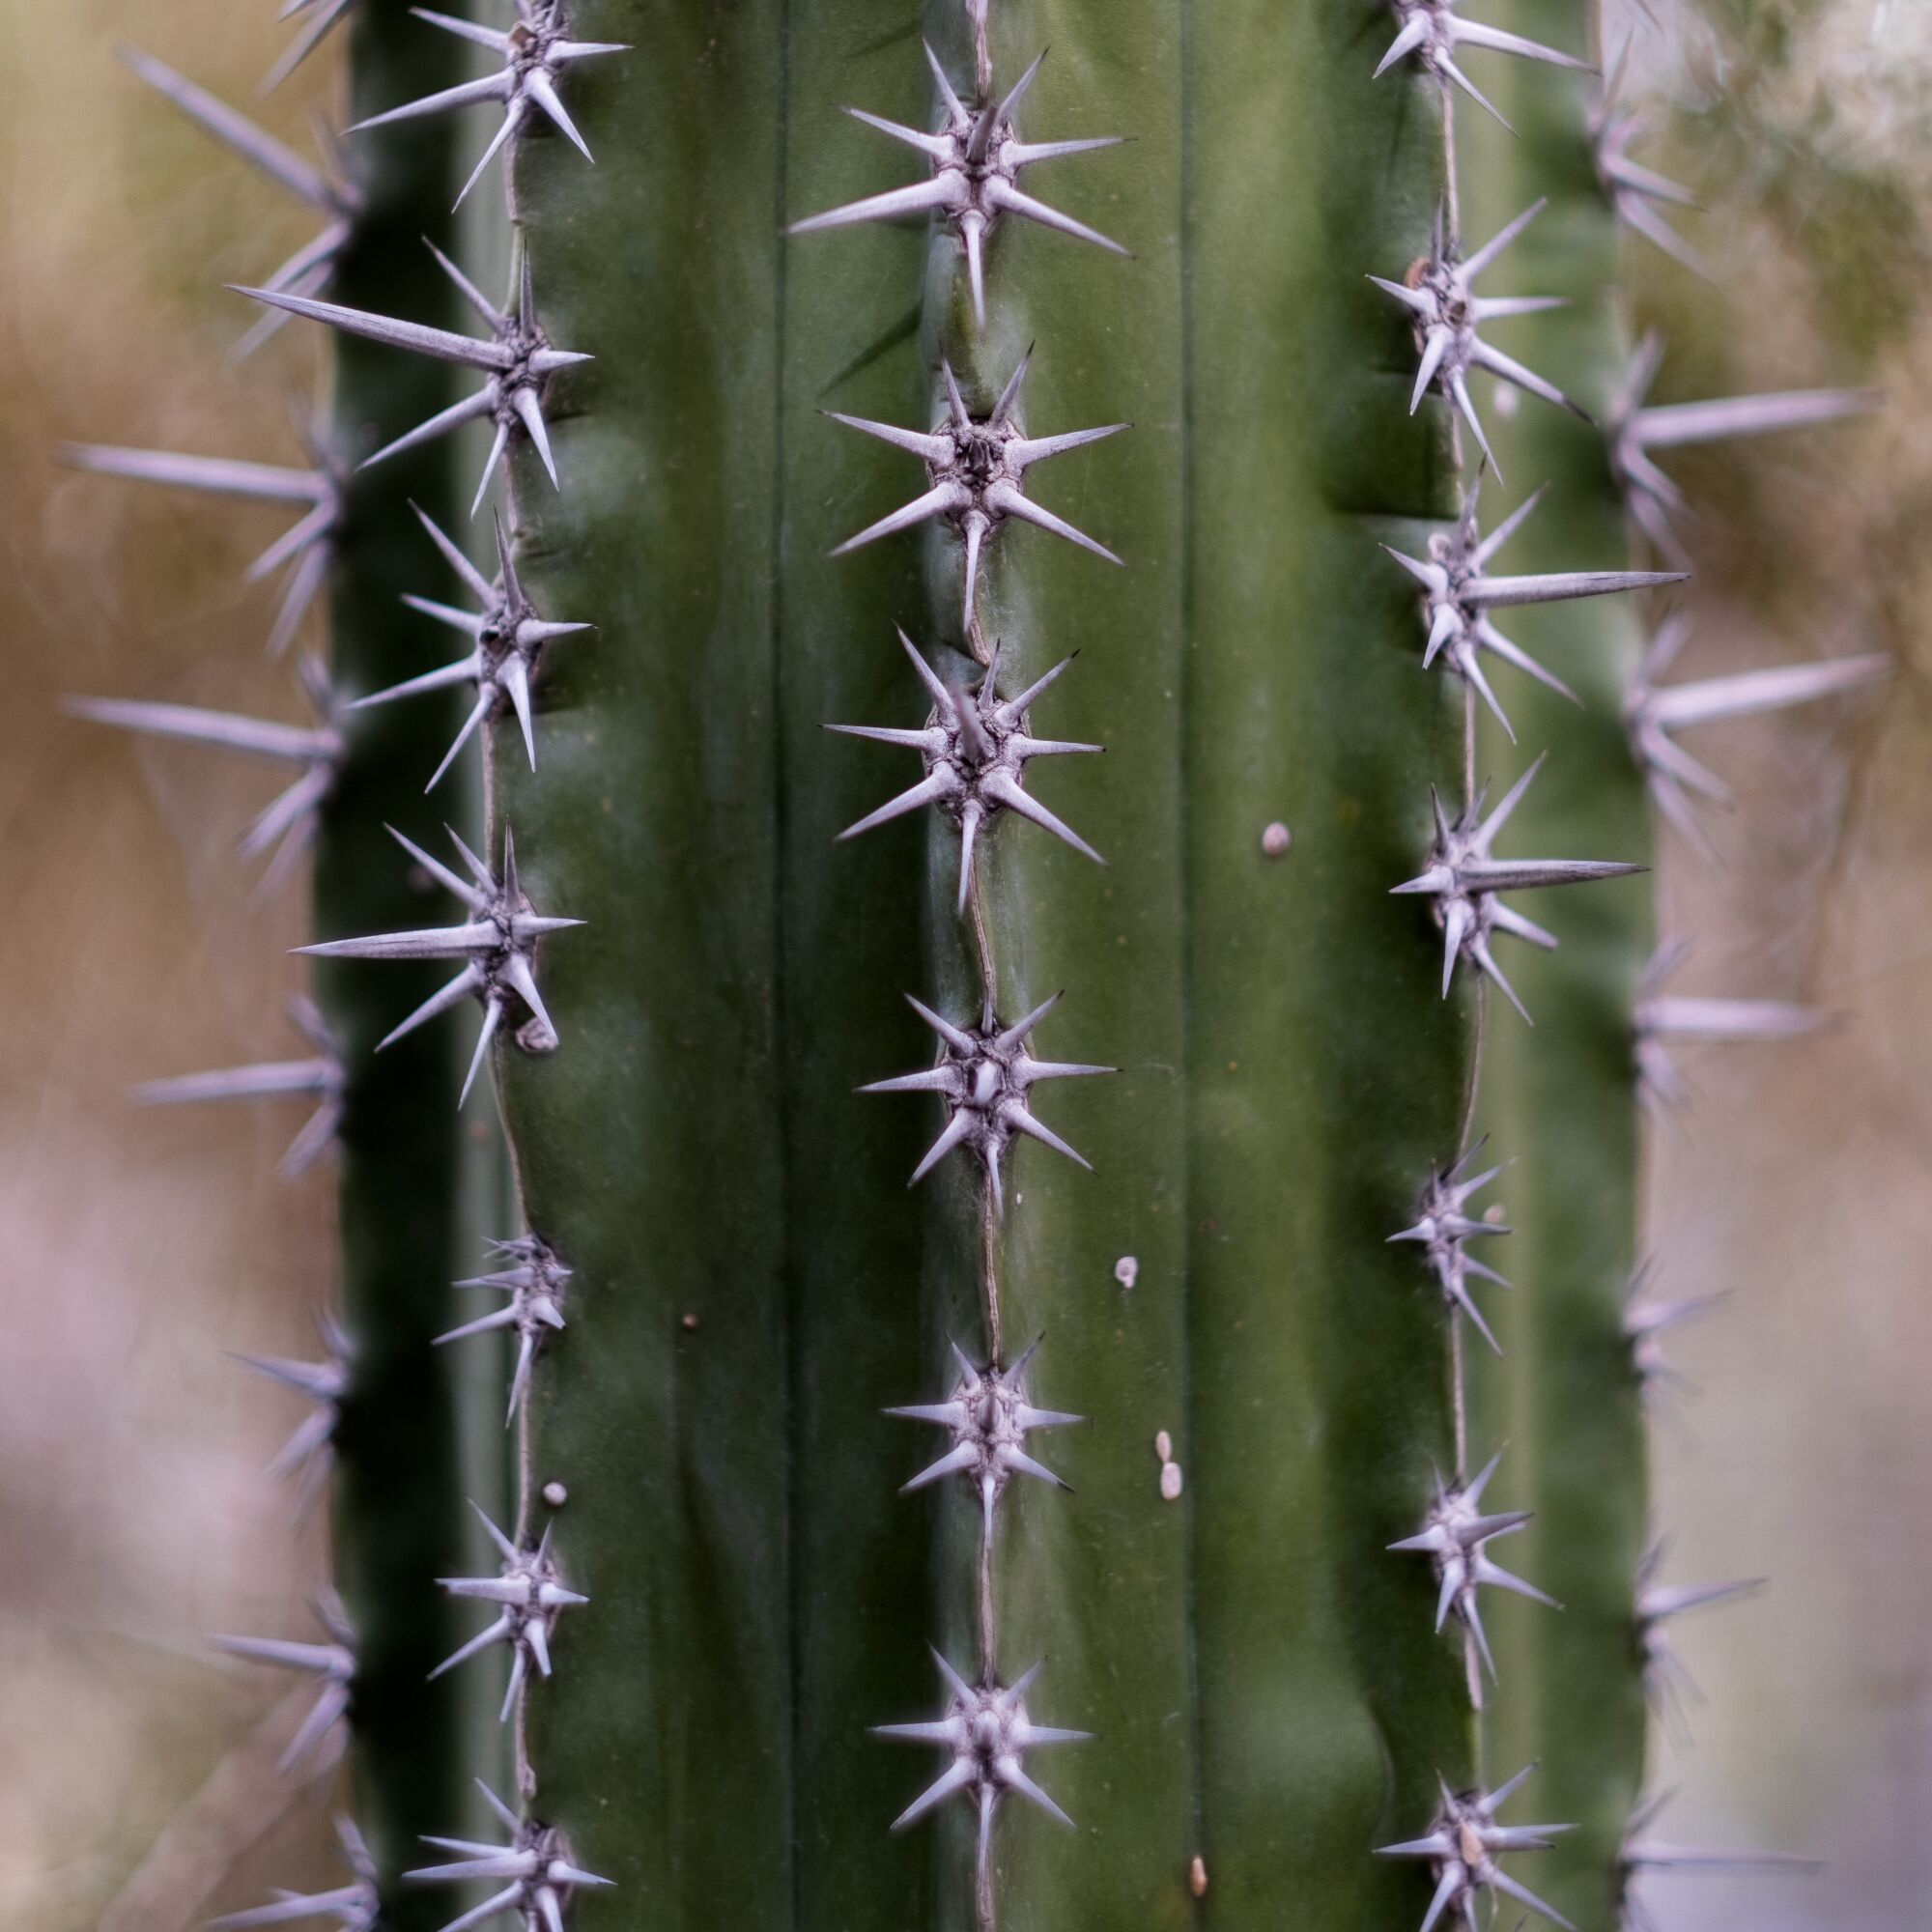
1584 1340
383 1401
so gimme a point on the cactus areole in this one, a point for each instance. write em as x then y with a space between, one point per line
1193 1107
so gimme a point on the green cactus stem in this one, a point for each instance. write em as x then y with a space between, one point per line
1325 1072
748 1268
650 1146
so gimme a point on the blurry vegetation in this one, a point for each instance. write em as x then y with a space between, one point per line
1797 1183
1810 143
139 1251
1794 114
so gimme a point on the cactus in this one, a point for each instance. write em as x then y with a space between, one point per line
1201 1359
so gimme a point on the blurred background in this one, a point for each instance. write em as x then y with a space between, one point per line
1800 1180
143 1248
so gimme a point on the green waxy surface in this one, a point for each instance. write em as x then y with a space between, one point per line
1325 1071
753 1281
399 1492
1259 1672
864 1575
1096 1581
1559 1101
733 1511
649 1147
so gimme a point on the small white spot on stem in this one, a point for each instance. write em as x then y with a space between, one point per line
1276 840
1126 1270
1169 1470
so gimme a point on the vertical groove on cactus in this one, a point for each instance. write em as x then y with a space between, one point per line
861 1587
398 1487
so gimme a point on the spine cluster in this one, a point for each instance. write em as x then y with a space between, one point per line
1463 879
976 743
